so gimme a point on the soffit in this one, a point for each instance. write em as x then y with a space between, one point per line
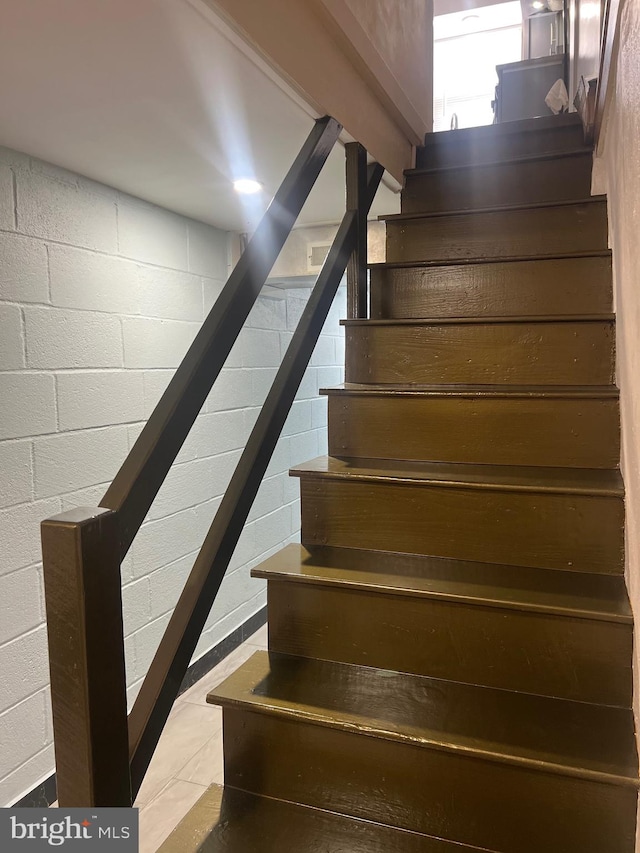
161 100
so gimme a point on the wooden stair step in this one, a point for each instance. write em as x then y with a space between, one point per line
409 751
232 821
478 623
578 595
576 350
477 287
512 425
570 738
507 231
532 516
530 179
545 135
511 392
503 478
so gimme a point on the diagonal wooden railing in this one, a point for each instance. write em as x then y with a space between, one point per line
138 481
101 755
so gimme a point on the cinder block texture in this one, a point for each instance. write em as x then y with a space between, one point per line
92 282
65 212
99 398
21 606
207 251
7 220
23 731
24 668
20 534
73 460
27 404
153 235
11 338
57 338
23 269
156 343
16 477
101 294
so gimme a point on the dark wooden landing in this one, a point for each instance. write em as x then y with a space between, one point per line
476 145
575 594
232 821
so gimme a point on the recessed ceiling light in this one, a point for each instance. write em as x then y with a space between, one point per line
247 186
537 4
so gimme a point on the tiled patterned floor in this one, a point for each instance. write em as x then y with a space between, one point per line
189 756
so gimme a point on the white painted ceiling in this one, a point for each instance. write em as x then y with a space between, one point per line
160 99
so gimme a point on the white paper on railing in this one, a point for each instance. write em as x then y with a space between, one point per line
557 98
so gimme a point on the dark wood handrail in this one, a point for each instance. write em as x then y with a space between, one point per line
162 682
101 756
137 482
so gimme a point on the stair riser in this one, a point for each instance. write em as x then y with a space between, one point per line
581 433
505 289
544 530
528 182
570 353
470 643
446 149
242 823
472 801
500 234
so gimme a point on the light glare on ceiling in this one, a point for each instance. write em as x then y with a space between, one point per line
538 4
247 186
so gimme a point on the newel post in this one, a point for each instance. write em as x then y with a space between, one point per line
81 560
356 168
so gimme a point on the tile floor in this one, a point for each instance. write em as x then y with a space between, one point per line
189 756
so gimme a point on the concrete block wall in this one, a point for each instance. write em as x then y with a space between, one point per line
100 296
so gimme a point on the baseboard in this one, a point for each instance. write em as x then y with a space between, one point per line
45 793
206 663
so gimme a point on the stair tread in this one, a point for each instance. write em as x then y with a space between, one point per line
496 208
227 820
506 161
607 317
552 735
486 259
563 593
585 481
509 391
504 128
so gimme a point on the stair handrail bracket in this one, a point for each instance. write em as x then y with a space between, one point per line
101 754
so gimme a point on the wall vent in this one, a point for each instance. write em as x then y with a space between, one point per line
316 255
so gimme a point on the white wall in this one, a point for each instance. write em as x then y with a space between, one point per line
617 172
342 64
100 296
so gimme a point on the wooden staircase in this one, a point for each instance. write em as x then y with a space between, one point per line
450 648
